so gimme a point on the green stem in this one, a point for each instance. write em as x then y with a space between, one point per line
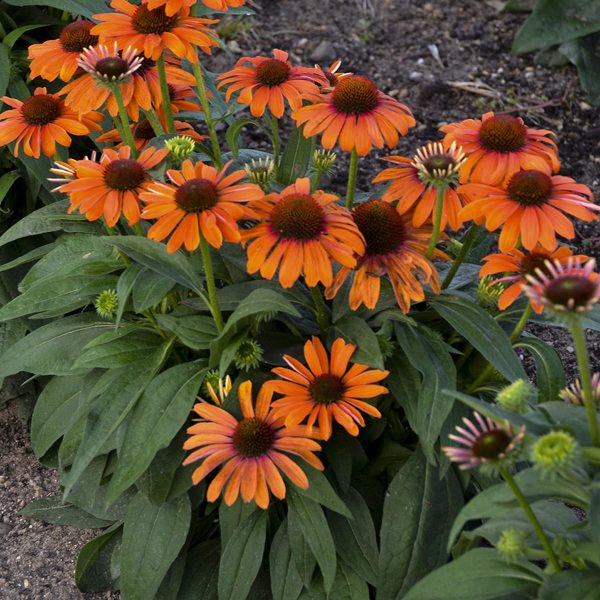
164 90
464 251
586 377
516 332
199 75
126 133
352 172
210 283
275 131
435 234
321 310
537 527
139 230
154 122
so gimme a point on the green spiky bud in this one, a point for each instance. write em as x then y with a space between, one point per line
212 378
488 292
323 161
511 544
248 355
386 346
107 303
554 452
260 171
517 396
180 147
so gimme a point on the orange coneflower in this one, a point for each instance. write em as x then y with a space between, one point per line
393 248
415 182
357 113
105 67
516 265
172 6
265 81
41 122
303 231
110 187
58 58
530 204
330 76
199 201
500 145
251 452
153 31
325 389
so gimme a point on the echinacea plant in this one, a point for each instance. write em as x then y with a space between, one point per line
261 387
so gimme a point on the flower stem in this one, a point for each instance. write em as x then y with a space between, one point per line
139 230
154 122
435 234
352 172
210 283
164 90
127 135
537 527
464 251
321 310
275 131
585 377
199 75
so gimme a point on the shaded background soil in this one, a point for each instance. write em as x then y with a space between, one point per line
448 60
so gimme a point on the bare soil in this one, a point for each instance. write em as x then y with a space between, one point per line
448 60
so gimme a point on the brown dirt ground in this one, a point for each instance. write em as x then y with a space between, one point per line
388 41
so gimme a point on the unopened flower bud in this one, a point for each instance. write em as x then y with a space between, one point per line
511 544
248 355
107 303
554 452
516 396
180 147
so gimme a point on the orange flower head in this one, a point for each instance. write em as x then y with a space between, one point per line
105 67
500 145
110 187
515 266
199 201
58 58
301 233
41 122
414 183
172 6
265 81
330 76
357 113
325 389
251 453
154 31
569 288
531 204
393 248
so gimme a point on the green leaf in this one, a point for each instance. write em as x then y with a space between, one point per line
93 568
348 585
52 349
7 180
426 404
355 539
149 289
155 421
286 583
594 517
321 491
11 38
154 255
584 54
125 284
31 256
152 538
60 405
53 510
358 332
111 408
302 555
549 371
561 586
119 348
313 525
296 157
231 517
233 133
201 573
553 22
49 218
4 71
85 8
195 331
482 331
418 512
242 557
480 574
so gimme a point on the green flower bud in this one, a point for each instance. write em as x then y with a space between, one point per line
488 292
516 396
248 355
386 346
554 452
323 161
107 303
260 171
181 146
211 379
511 544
